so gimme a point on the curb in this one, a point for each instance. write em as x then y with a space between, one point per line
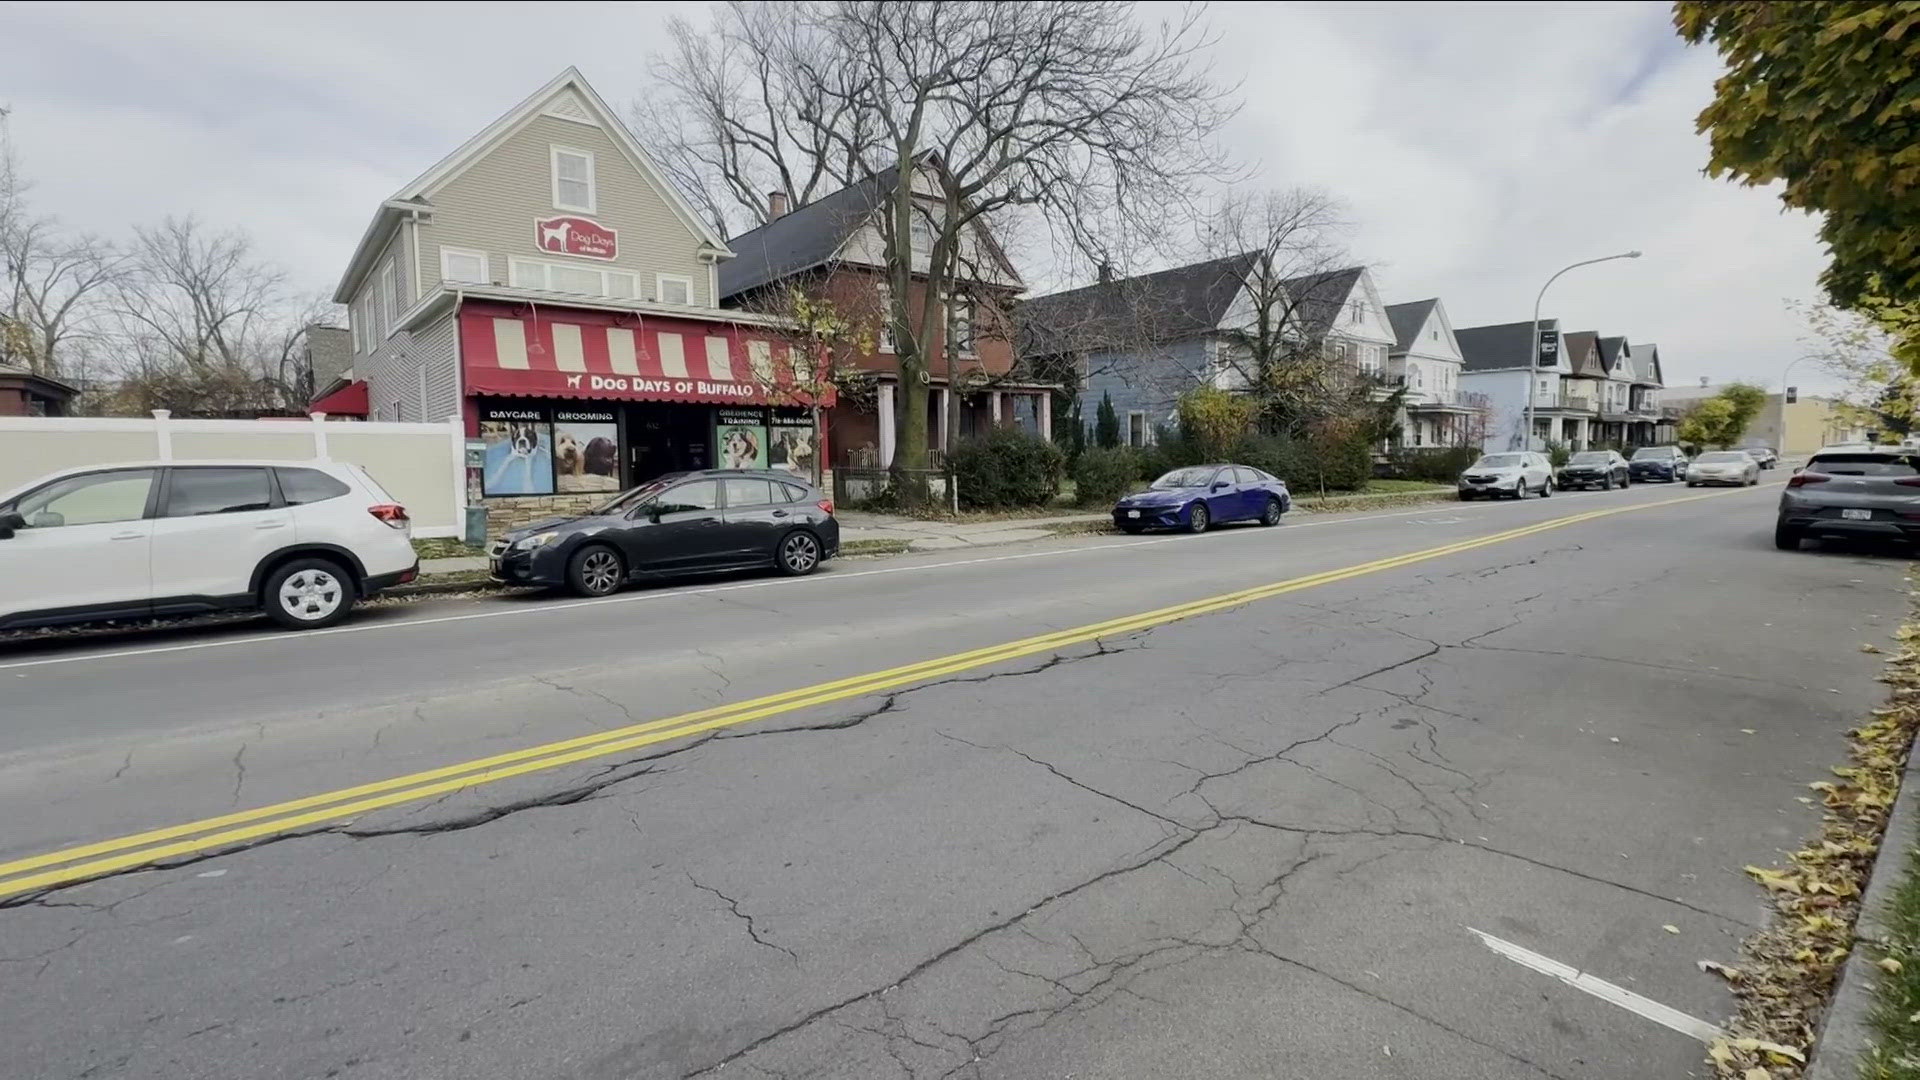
1844 1035
435 588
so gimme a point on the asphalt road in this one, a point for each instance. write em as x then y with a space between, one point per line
1345 826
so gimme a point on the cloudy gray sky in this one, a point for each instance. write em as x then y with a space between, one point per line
1481 147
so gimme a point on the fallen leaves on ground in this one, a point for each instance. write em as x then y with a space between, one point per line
1783 987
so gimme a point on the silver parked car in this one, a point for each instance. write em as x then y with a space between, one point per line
1736 467
1515 475
1851 493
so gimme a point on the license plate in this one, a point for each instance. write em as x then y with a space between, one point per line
1133 513
1857 515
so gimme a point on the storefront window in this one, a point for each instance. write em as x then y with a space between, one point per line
586 450
519 450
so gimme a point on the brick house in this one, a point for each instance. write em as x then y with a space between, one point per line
833 247
22 393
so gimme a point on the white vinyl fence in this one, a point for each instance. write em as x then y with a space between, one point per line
421 465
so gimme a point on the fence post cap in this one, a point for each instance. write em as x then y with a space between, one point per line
162 414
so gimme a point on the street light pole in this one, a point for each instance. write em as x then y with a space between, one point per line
1533 334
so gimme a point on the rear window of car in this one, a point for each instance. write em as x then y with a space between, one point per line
1865 464
1596 458
1723 457
193 492
303 486
1653 453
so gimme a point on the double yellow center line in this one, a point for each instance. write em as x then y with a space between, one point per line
68 865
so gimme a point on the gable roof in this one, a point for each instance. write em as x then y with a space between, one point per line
811 235
1179 302
1649 365
413 197
1407 319
1497 347
805 237
1319 298
1582 350
1613 350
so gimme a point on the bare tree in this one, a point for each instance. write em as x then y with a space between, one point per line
53 284
1291 248
967 110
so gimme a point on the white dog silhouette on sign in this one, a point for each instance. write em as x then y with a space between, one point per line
573 382
554 237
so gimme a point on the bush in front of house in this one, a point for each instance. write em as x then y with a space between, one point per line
1441 465
1101 476
1008 468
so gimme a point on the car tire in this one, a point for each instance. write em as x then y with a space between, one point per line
1198 519
596 570
1546 488
1786 537
799 553
308 594
1607 484
1270 516
1466 496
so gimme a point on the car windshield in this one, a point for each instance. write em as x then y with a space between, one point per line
1653 453
1865 464
1196 476
1723 457
1499 461
627 500
1591 457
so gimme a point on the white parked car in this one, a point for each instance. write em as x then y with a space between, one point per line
1735 467
1516 474
299 540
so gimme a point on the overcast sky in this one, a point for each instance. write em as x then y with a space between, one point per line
1480 147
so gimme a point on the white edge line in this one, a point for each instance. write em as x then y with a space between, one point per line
668 594
1646 1008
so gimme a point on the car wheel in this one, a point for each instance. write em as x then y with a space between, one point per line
1546 488
1197 518
1786 537
1607 483
799 554
1466 496
307 594
596 570
1271 515
1520 488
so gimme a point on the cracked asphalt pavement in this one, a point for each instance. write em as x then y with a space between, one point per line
1247 844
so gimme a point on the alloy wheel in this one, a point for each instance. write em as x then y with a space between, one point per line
311 595
800 553
600 571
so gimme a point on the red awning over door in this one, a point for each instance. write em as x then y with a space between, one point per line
521 350
349 400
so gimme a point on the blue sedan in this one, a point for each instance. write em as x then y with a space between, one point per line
1199 496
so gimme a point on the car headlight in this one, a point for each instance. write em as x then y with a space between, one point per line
537 540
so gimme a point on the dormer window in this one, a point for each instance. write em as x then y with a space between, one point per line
573 187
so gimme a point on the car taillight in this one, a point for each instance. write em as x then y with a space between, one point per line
393 514
1805 478
825 505
1908 481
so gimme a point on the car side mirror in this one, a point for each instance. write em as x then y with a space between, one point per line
10 522
1219 485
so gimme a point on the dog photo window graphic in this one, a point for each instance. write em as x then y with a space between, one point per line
519 450
740 438
790 443
586 450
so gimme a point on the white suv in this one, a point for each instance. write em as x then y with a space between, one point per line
299 540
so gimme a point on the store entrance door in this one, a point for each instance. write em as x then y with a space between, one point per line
664 438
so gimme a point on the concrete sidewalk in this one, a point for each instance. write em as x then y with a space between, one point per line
940 535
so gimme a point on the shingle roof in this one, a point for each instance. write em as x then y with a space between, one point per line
1407 319
1318 298
1649 366
1581 348
803 238
1166 304
1610 352
1504 345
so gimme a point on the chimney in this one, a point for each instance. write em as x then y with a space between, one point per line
776 204
1106 272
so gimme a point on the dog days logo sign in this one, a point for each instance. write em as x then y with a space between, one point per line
575 236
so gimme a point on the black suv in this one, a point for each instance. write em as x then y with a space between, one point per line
1663 463
691 522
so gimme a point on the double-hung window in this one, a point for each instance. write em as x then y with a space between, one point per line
573 187
573 278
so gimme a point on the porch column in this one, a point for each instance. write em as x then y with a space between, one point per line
884 399
1046 417
993 407
946 406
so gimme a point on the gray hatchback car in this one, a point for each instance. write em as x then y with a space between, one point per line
1863 493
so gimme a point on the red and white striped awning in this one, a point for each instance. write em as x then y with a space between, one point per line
518 350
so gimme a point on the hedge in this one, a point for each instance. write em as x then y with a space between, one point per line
1101 476
1007 468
